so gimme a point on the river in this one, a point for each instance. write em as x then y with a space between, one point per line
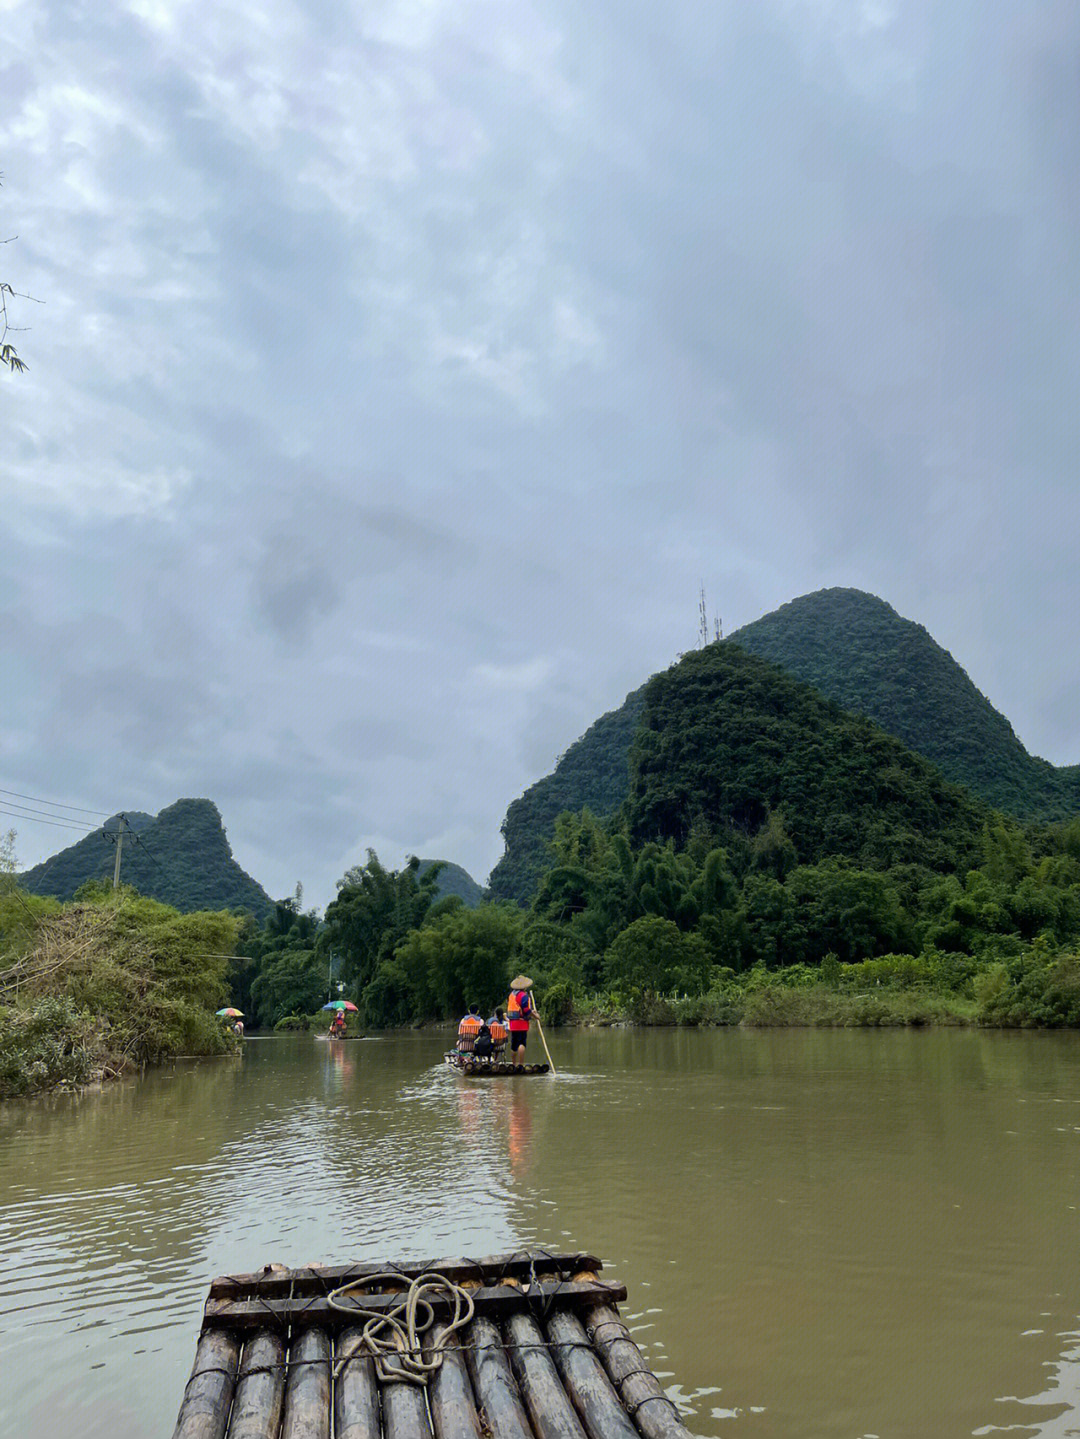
824 1233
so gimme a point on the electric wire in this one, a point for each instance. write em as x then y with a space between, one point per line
57 824
54 804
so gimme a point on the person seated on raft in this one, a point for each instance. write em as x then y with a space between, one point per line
499 1032
483 1045
337 1026
468 1029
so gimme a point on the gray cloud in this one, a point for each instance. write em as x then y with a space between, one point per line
404 368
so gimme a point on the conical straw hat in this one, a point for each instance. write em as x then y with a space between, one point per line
521 982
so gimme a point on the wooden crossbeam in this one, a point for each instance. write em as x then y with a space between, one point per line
316 1280
496 1299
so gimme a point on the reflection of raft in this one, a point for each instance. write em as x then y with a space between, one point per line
545 1353
491 1069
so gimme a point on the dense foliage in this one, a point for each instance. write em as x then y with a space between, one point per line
727 741
858 651
90 989
181 858
453 880
593 774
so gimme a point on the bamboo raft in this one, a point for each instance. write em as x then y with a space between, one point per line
486 1068
544 1356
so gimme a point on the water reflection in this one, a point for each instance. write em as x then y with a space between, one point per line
828 1233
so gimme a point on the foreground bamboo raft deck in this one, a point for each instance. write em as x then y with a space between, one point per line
545 1356
491 1068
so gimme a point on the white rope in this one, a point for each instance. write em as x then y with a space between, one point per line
392 1336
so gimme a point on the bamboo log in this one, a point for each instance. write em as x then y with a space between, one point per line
256 1313
307 1396
356 1392
653 1412
493 1381
586 1380
450 1393
260 1389
550 1410
405 1411
204 1410
276 1280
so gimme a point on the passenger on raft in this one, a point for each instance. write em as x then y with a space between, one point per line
499 1033
468 1029
337 1026
519 1011
483 1045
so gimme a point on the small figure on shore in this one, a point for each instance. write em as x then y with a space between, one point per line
238 1029
519 1009
499 1034
468 1029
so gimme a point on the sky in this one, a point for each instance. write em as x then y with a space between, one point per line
398 371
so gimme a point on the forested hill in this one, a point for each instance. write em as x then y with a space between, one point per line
453 880
591 774
180 857
730 745
858 651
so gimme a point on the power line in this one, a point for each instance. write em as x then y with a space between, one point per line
29 810
54 822
54 804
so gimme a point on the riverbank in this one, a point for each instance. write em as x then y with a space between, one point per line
1035 989
93 990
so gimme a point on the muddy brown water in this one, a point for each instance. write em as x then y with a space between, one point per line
824 1233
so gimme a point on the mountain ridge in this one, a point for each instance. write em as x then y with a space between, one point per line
180 856
858 652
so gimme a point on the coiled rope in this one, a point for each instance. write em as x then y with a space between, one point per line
392 1336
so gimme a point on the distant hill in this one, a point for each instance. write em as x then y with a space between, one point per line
729 741
181 857
592 773
858 651
454 880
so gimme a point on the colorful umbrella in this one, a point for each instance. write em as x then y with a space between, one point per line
342 1004
230 1014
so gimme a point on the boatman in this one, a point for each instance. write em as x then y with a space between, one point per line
519 1010
468 1029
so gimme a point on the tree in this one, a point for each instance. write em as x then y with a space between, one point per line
654 955
8 354
374 911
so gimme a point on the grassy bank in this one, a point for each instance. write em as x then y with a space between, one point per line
94 989
1036 989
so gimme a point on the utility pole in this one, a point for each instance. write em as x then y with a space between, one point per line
119 848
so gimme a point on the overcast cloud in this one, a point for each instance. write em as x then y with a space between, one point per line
405 365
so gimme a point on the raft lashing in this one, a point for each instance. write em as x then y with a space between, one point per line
490 1068
544 1355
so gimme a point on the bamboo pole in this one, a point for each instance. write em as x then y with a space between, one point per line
356 1391
550 1410
586 1381
654 1413
493 1381
260 1390
204 1410
405 1411
543 1041
450 1393
307 1397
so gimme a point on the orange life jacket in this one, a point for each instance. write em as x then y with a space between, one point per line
468 1029
498 1032
518 1013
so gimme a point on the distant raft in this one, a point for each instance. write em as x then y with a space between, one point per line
511 1347
490 1068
